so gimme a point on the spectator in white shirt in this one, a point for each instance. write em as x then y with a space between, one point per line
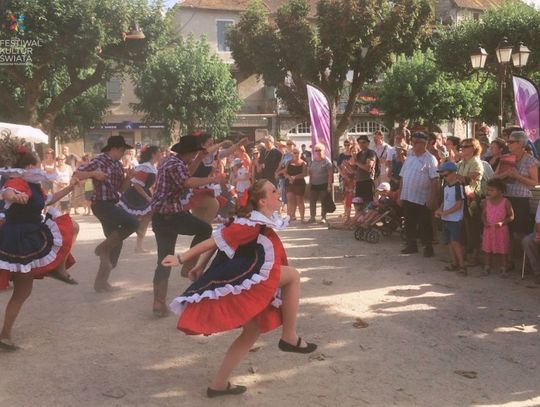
384 153
418 195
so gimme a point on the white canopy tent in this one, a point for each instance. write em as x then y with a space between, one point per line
28 133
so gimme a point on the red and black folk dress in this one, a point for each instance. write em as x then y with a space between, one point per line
133 202
241 284
30 242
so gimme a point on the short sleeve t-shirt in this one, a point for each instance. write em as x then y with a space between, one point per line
451 195
318 171
362 157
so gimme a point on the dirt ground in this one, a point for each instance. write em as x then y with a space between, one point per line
427 330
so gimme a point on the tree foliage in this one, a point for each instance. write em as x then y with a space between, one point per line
515 20
355 35
189 85
415 88
518 22
80 46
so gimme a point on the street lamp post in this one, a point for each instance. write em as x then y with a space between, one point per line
505 53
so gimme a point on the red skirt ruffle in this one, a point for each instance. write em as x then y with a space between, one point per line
232 311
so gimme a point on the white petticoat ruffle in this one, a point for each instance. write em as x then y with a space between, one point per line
180 303
135 212
44 261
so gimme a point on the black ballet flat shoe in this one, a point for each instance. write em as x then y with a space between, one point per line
229 391
287 347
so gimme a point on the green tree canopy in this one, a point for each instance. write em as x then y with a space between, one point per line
518 22
79 45
359 36
415 88
188 85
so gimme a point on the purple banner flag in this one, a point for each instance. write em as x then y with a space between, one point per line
321 119
527 106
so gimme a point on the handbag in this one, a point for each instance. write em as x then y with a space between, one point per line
328 203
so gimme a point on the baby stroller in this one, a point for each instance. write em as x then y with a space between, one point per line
374 222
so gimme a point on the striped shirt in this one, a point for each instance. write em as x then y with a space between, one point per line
417 173
170 191
107 190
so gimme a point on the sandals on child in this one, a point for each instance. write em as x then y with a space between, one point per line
451 267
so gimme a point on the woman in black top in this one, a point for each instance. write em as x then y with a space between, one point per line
295 184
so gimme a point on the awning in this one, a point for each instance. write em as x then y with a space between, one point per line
28 133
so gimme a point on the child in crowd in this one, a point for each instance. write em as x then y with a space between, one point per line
451 214
240 177
497 214
386 199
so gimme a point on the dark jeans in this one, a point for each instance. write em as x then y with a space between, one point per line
167 228
365 190
417 224
317 193
113 218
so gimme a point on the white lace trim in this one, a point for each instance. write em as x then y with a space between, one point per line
135 212
10 171
257 218
146 167
42 262
180 303
221 243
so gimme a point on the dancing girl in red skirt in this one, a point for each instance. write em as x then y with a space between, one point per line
249 285
31 245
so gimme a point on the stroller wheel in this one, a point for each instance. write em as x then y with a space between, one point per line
373 236
359 234
386 231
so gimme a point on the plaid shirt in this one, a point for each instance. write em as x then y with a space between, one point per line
108 189
170 190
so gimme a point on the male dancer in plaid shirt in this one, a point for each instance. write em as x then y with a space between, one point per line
171 217
108 178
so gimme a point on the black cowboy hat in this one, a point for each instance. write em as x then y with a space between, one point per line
187 144
116 141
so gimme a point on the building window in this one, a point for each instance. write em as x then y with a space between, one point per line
222 28
114 90
366 128
302 128
476 16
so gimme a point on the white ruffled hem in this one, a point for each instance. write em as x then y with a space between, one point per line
42 262
221 243
135 212
179 303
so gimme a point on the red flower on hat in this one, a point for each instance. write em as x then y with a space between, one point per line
144 148
21 149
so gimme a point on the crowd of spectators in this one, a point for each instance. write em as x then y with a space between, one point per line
474 191
448 189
